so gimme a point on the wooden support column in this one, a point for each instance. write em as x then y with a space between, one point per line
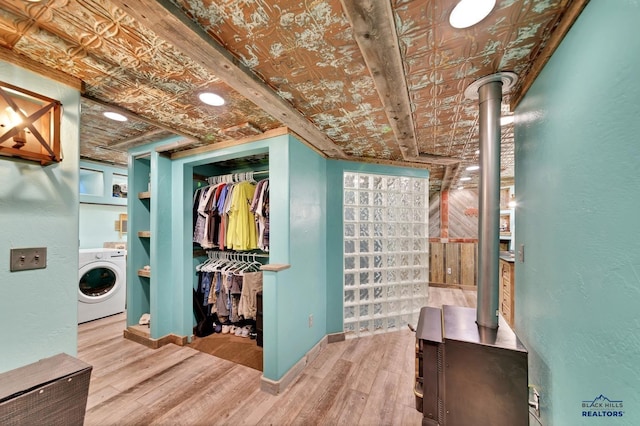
444 214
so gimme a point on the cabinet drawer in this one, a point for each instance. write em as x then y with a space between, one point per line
506 289
506 311
506 273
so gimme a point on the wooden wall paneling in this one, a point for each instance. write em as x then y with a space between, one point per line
463 214
468 270
452 260
434 215
436 263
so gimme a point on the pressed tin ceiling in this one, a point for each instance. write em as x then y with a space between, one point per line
363 80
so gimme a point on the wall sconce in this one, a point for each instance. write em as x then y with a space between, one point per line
32 122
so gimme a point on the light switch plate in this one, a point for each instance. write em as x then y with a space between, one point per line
23 259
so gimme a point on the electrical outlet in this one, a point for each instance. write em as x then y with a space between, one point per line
448 271
310 320
534 402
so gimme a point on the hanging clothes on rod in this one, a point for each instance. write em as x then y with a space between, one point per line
228 287
232 212
260 208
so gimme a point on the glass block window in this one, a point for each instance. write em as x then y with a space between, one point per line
386 257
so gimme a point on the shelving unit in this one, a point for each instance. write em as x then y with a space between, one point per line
150 288
139 254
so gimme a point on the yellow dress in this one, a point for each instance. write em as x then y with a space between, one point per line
242 234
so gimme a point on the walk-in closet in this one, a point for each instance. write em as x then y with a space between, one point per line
230 217
187 269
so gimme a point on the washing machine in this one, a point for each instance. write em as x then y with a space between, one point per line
102 282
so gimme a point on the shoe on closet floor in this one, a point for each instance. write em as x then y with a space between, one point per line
246 330
225 329
239 331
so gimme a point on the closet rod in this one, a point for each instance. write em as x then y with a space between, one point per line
231 254
231 177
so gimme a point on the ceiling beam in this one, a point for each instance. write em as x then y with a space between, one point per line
38 68
435 159
170 23
375 32
124 144
447 179
136 117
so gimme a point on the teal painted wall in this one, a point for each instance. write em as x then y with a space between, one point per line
98 214
98 188
142 292
163 287
301 291
335 225
97 224
39 208
577 152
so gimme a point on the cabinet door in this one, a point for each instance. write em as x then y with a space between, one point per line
506 291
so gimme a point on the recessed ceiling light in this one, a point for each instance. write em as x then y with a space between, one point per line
471 168
469 12
211 99
461 187
465 178
115 116
507 119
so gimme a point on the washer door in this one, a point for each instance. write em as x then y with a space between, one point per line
98 282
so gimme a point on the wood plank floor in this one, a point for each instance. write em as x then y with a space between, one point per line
366 381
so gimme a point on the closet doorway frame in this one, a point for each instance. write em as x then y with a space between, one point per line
183 267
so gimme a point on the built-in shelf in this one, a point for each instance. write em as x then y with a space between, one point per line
144 234
144 195
144 273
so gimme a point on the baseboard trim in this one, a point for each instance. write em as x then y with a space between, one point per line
274 387
455 286
139 336
336 337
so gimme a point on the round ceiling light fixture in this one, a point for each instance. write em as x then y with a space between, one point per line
469 12
211 99
115 116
